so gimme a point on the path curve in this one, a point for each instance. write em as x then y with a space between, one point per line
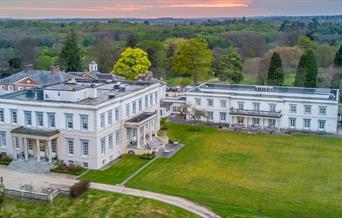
176 201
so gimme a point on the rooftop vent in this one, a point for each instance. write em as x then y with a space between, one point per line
28 67
122 88
55 69
111 96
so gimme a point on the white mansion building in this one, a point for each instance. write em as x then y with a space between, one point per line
84 122
266 107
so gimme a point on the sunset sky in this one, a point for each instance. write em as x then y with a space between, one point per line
165 8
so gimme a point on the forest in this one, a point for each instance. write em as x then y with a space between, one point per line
281 51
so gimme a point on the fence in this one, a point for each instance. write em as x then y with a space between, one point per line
36 195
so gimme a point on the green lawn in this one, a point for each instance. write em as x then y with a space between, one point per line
176 81
118 172
242 175
93 204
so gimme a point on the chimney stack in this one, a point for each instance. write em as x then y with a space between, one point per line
55 69
28 67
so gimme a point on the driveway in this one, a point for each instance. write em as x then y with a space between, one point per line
13 179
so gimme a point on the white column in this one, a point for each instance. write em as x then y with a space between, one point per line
151 130
262 123
50 151
38 150
138 137
14 147
25 148
144 134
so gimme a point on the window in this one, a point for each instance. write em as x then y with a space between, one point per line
210 115
146 101
102 120
223 103
69 121
210 102
2 115
40 119
307 109
256 106
28 118
70 162
51 120
103 162
128 113
240 105
322 110
10 88
110 117
110 142
134 107
321 124
273 107
140 104
293 108
84 147
85 164
117 137
2 139
198 101
14 116
271 123
256 121
151 99
293 122
70 146
307 123
223 116
103 146
84 122
117 114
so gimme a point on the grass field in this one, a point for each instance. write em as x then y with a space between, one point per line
177 81
242 175
118 172
93 204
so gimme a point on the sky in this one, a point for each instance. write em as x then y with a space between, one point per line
165 8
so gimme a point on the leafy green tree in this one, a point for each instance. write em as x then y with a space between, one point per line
172 46
228 66
338 58
307 71
275 76
132 63
193 59
306 43
46 58
70 56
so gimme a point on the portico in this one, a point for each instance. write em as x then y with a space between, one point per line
29 143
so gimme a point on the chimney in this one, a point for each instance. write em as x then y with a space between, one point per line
28 67
55 69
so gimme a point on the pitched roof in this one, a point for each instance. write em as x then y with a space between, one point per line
43 77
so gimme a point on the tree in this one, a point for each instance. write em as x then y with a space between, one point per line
306 43
26 50
338 58
132 41
132 63
70 56
46 59
193 59
105 53
336 82
307 71
172 46
275 76
228 66
325 55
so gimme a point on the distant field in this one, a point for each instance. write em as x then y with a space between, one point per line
242 175
93 204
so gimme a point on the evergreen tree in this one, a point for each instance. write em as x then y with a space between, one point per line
307 71
70 56
228 66
275 76
132 41
338 58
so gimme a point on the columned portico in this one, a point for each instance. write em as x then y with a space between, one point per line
37 144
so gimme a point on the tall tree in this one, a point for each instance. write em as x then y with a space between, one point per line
337 77
275 76
307 71
228 66
132 41
193 59
70 56
132 63
338 58
105 53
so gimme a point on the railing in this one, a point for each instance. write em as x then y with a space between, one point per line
255 113
49 196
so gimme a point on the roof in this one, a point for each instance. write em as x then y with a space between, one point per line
98 75
165 104
35 132
43 77
141 117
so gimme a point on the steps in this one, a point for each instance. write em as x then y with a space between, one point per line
30 166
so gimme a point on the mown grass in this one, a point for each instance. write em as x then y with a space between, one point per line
179 81
93 204
116 173
241 175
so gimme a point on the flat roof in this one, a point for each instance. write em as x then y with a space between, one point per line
141 117
35 132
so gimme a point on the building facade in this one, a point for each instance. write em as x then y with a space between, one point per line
80 122
266 107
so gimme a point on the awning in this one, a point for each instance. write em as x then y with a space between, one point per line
140 119
34 132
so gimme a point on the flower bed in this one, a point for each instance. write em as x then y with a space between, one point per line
61 167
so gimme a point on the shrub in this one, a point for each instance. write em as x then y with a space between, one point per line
148 156
5 160
79 188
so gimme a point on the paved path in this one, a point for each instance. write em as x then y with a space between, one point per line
14 179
